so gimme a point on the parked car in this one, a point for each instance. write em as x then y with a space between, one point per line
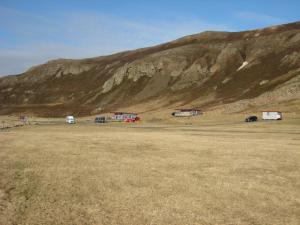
70 120
251 119
100 119
132 120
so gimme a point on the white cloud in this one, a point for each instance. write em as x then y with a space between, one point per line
82 34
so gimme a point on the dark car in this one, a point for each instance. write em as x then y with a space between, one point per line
100 119
251 119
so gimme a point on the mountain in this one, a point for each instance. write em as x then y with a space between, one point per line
234 71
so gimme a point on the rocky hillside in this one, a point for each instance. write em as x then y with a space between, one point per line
238 70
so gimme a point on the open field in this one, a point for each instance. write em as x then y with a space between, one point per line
210 172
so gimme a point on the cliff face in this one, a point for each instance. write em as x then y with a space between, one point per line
205 70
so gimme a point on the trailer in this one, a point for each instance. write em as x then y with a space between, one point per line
271 115
187 112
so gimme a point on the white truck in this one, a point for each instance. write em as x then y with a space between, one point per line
70 120
271 115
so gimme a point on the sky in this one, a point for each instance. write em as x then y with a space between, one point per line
35 31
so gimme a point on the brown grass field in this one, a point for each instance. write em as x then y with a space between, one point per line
185 173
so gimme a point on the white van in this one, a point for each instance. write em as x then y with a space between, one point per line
70 120
271 115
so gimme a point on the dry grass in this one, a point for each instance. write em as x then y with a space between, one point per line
151 174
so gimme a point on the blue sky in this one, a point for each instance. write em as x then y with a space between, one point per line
35 31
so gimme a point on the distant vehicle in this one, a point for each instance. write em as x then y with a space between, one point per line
251 119
23 119
100 119
70 120
271 115
132 120
125 117
187 112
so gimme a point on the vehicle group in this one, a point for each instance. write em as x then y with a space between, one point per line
133 117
